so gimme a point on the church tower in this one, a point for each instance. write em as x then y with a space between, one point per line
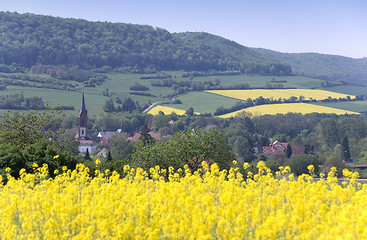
83 120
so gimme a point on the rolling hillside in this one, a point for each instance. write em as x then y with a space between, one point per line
43 55
323 66
29 39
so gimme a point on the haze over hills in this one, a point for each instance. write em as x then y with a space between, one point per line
29 39
323 66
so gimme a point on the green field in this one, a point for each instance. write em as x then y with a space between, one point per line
348 89
119 85
355 106
257 81
203 102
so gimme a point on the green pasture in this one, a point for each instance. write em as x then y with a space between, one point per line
119 85
355 106
257 81
94 99
203 102
348 89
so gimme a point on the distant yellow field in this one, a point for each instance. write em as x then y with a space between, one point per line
166 110
273 109
308 94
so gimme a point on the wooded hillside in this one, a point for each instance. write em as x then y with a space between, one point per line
29 39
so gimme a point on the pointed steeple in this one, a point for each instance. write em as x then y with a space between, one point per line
83 104
83 119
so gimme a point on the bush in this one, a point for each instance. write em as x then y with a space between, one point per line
299 163
41 152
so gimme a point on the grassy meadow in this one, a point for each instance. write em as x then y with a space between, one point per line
203 102
119 84
355 106
257 81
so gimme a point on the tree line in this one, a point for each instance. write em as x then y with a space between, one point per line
29 39
328 140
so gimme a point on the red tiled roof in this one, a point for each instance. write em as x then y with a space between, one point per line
298 150
272 150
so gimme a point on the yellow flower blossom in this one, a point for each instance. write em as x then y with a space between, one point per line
211 204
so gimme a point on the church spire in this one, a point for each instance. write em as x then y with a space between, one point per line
83 119
83 104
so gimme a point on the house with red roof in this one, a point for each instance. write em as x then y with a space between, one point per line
279 148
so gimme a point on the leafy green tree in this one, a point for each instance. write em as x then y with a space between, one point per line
121 147
346 149
309 149
300 162
160 121
329 132
109 157
145 136
21 129
243 146
128 105
190 111
333 159
273 164
66 142
288 151
109 106
178 126
86 156
191 148
41 152
280 138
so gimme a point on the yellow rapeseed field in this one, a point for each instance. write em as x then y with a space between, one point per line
284 108
209 204
166 110
308 94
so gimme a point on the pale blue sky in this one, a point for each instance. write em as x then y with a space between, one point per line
324 26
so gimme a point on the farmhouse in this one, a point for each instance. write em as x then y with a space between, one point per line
278 148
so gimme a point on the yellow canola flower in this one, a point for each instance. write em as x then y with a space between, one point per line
98 162
178 204
307 94
166 110
284 108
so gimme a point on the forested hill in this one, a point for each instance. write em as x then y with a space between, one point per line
323 66
29 39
